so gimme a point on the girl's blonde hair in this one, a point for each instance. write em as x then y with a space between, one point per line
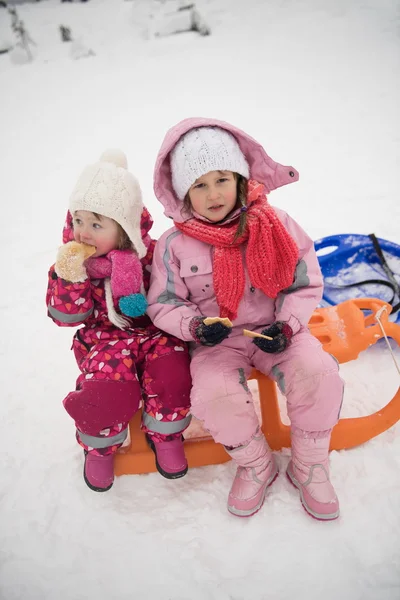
124 243
241 201
241 186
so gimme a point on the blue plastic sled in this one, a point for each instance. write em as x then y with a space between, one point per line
348 259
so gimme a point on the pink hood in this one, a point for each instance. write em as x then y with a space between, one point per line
262 167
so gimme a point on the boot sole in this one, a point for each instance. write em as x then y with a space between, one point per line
249 513
314 515
166 474
93 487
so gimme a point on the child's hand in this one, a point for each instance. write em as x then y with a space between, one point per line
208 335
70 258
281 334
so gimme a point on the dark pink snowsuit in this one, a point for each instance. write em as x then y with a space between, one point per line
119 367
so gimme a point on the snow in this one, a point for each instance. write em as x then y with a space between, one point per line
317 83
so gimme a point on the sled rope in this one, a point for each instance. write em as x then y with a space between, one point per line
385 266
378 318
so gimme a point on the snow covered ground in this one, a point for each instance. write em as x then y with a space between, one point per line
317 83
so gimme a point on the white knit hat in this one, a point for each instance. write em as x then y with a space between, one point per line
202 150
109 189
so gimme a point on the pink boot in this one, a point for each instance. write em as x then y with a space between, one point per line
257 469
98 471
309 472
170 457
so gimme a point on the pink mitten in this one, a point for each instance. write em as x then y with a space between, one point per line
70 258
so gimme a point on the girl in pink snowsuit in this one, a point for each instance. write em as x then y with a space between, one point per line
121 354
231 254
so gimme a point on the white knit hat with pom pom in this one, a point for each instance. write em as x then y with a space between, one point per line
109 189
202 150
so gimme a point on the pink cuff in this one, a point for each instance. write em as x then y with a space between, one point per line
186 334
294 324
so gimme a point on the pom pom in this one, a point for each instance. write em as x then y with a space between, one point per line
115 156
133 305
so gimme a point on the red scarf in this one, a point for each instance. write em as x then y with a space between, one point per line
271 253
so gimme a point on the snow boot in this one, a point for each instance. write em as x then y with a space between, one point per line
170 457
98 471
257 469
309 472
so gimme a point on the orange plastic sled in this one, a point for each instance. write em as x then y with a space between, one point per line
344 330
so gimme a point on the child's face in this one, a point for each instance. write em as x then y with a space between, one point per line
102 233
214 195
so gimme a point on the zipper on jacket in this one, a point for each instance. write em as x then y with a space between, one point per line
78 337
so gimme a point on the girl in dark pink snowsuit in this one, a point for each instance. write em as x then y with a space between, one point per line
122 356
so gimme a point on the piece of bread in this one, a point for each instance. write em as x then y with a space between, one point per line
254 334
70 258
225 321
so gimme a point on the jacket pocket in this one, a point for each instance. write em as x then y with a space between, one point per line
197 274
196 266
80 347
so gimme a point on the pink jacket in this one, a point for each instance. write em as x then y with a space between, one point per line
181 285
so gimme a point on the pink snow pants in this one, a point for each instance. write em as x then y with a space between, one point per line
306 374
120 370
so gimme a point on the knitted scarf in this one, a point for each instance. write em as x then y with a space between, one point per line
271 254
123 275
124 269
